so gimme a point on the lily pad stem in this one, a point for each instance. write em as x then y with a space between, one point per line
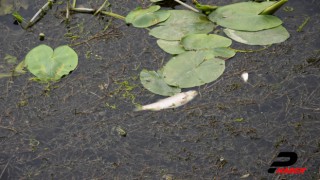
250 50
83 10
101 7
88 10
74 3
186 5
113 15
31 22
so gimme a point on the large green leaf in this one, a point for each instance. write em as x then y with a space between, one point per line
204 41
264 37
245 16
150 19
49 65
171 47
153 81
181 23
193 68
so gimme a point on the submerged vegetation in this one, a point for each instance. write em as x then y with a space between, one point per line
192 36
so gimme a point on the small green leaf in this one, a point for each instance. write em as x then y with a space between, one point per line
50 65
138 12
264 37
171 47
153 81
150 19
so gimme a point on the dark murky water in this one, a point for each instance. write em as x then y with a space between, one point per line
69 132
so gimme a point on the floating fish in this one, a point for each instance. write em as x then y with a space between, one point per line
170 102
245 76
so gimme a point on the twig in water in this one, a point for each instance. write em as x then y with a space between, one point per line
186 5
4 169
83 10
11 129
88 10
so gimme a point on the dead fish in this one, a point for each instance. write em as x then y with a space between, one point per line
170 102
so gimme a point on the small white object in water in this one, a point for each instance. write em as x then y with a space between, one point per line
170 102
245 76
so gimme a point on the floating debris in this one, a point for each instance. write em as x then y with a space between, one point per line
245 76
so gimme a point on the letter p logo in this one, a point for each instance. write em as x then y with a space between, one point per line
293 157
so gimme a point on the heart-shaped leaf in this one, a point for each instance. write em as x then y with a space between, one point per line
153 81
48 65
193 68
130 18
150 19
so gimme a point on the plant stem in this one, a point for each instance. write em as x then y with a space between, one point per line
113 15
31 22
303 24
68 11
186 5
249 50
101 7
74 3
83 10
88 10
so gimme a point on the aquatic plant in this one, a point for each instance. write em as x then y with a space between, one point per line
50 65
198 54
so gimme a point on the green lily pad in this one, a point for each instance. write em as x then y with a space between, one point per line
264 37
130 18
171 47
204 41
245 16
181 23
150 19
193 68
50 65
153 81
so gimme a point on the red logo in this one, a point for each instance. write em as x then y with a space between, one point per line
281 167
